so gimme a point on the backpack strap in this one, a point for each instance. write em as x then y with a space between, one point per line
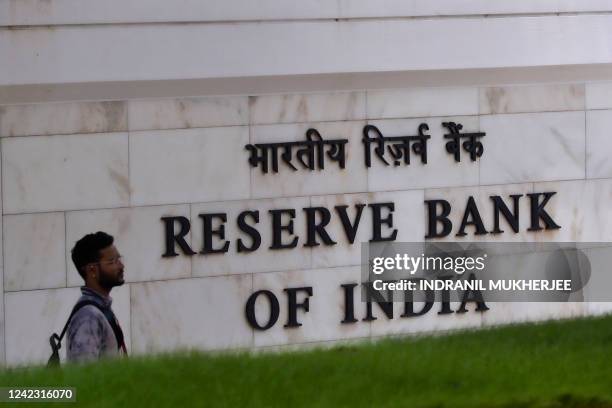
112 320
56 341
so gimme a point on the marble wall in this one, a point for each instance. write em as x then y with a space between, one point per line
344 37
119 166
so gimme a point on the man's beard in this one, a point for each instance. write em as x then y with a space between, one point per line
108 282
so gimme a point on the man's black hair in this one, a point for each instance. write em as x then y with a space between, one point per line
87 250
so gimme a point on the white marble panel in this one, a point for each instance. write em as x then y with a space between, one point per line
422 102
534 98
184 113
533 147
262 259
62 118
441 169
295 108
191 165
429 322
191 313
139 237
332 179
458 199
599 95
326 306
35 246
598 143
581 208
407 220
32 316
518 312
46 173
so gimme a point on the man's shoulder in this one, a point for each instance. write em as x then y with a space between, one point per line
86 313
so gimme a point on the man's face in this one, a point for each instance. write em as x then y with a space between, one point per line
111 268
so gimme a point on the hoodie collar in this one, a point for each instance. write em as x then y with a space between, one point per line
91 294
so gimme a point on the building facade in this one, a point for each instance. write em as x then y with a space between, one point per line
134 118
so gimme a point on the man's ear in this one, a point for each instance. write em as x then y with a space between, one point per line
90 269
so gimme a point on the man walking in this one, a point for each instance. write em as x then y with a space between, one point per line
93 330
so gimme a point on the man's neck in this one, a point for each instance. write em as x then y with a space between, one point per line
99 290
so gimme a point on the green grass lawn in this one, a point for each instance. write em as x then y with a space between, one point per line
556 364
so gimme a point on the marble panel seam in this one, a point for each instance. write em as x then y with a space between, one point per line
532 319
192 258
65 248
310 122
586 147
129 169
539 181
219 127
251 168
297 196
172 279
361 339
598 109
120 129
113 208
35 289
479 162
533 112
460 115
327 340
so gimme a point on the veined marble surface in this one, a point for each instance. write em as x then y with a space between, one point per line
206 313
190 165
62 118
313 107
582 208
184 113
422 102
533 147
534 98
598 141
34 248
598 95
58 173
